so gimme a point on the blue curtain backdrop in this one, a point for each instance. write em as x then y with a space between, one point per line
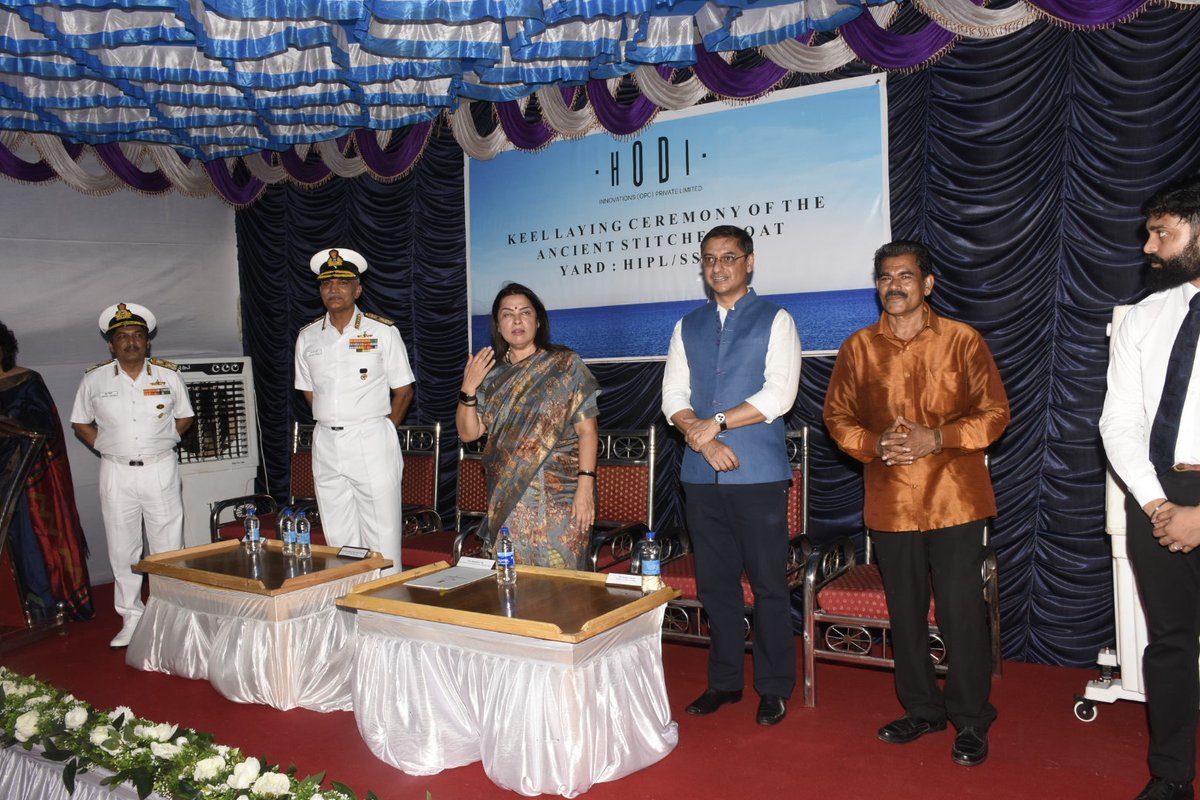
1021 161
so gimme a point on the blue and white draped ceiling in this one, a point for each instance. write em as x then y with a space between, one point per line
170 94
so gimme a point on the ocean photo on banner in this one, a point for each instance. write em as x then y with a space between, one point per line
608 232
824 320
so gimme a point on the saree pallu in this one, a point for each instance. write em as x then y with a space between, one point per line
531 458
49 547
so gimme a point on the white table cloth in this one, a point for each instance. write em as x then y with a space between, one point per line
288 650
26 775
543 716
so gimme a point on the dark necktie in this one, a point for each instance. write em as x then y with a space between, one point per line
1165 430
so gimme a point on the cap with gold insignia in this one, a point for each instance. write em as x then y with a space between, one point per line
125 315
337 262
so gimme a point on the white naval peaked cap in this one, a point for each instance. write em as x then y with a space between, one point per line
123 315
337 262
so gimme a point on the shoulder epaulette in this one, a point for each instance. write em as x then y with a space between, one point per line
314 322
378 318
95 367
162 362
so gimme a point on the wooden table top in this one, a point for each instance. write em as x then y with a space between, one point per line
555 604
228 566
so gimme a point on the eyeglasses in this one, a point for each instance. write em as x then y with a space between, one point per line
727 260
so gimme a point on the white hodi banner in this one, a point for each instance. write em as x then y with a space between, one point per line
608 232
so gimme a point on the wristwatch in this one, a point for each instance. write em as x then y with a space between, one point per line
719 418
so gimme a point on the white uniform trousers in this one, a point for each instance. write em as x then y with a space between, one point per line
357 471
130 496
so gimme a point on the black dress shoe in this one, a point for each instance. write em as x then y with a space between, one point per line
908 729
712 699
771 709
970 747
1159 789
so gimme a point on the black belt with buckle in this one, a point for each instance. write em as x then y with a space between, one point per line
137 463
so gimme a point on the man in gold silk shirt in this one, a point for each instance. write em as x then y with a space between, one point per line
917 398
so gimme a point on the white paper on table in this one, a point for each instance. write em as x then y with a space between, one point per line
451 578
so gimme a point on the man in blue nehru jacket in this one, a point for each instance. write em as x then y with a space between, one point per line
732 372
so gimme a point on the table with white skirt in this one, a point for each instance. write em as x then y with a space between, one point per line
262 629
28 774
563 691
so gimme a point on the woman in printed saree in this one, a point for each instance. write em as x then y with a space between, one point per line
48 545
536 401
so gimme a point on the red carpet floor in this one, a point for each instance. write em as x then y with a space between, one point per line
1038 748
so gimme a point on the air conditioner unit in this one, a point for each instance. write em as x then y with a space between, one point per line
219 455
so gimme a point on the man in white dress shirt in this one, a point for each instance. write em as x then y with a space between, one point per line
133 410
732 373
353 369
1151 431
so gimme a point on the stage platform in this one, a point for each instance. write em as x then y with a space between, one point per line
1038 748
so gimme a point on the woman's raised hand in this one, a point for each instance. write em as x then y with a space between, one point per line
477 369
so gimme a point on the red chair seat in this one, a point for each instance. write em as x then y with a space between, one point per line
859 593
427 548
609 559
681 574
609 562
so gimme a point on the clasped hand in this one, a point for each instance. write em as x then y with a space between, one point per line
701 437
720 456
1176 527
701 432
905 441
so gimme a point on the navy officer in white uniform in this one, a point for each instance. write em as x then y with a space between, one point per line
353 369
133 410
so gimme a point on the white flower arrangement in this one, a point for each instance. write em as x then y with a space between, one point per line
25 728
208 768
176 763
75 717
243 774
159 733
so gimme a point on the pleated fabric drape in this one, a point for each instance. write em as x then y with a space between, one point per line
1022 161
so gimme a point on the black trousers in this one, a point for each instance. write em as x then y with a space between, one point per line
736 527
953 558
1169 584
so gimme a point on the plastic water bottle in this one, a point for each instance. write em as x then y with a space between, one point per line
287 531
253 539
651 564
506 563
508 599
303 536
